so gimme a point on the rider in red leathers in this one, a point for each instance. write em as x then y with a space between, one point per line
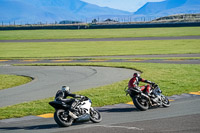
134 82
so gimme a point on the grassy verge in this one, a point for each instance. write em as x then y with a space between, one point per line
172 78
141 58
8 81
69 49
99 33
99 58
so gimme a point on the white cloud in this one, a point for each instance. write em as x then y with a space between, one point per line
126 5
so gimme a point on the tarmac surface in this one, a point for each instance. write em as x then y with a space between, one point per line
99 59
182 116
104 39
49 79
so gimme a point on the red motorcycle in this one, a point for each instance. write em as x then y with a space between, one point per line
144 102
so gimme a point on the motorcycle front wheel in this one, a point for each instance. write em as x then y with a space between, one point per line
95 116
165 101
140 103
62 118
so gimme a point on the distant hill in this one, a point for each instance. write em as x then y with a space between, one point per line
34 11
169 7
178 18
51 11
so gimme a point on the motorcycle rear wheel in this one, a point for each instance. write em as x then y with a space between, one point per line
62 118
140 103
95 116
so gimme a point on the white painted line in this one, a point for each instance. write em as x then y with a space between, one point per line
109 126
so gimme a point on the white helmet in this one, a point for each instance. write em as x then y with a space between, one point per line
66 89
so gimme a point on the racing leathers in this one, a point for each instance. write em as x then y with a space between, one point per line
62 96
134 83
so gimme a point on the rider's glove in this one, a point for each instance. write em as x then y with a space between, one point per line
82 97
153 84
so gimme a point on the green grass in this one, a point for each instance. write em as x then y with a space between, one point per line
8 81
172 78
69 49
99 33
105 58
135 58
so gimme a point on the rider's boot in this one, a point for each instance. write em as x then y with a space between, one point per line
72 109
153 98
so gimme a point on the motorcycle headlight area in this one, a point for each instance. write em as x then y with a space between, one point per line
90 101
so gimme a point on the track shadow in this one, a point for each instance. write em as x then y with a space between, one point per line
36 127
117 110
124 109
42 127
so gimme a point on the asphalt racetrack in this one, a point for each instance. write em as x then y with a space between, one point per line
49 79
183 116
105 39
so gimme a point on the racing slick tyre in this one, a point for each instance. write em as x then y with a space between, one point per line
165 101
95 116
62 118
140 103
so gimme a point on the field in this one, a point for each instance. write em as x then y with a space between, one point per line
102 48
172 78
96 33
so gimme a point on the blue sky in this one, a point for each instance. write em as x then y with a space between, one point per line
126 5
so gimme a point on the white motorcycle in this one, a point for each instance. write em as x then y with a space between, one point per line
82 112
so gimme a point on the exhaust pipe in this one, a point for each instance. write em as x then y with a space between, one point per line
72 115
145 96
148 98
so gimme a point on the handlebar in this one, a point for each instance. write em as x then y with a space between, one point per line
84 98
154 86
